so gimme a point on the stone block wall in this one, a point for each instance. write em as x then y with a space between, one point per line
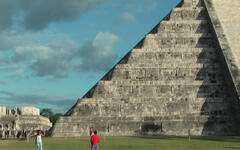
3 110
171 83
30 110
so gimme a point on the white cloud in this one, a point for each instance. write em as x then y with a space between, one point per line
53 60
37 89
32 51
10 67
127 17
2 81
16 74
10 39
56 59
36 15
97 55
104 42
3 60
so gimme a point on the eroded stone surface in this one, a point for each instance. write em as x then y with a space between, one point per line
171 83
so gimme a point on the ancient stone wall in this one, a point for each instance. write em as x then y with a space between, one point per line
15 122
30 110
3 110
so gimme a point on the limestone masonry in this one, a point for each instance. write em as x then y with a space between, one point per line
177 80
15 122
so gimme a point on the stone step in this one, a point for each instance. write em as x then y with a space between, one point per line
182 50
154 106
160 125
156 89
178 35
209 74
168 66
80 119
170 57
142 110
148 100
185 13
164 117
142 116
122 83
151 109
195 41
168 50
186 26
192 3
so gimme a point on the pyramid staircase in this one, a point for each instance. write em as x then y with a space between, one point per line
171 83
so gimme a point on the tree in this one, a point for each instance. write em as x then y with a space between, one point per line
54 118
46 112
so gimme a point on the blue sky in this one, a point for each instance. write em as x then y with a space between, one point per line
53 52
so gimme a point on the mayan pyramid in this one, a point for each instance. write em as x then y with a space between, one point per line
173 82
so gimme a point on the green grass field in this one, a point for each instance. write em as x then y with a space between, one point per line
129 143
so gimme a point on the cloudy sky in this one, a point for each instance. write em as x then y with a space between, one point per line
53 51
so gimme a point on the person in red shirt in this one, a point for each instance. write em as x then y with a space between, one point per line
95 140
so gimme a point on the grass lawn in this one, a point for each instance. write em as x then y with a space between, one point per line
130 143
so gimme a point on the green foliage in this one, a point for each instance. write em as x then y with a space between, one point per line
46 112
55 117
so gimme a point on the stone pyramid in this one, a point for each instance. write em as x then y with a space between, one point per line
171 83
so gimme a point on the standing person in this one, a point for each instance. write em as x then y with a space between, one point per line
95 140
91 133
39 139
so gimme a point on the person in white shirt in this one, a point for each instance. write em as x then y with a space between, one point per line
91 133
39 140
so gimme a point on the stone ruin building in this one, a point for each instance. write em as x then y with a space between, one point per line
180 79
15 122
